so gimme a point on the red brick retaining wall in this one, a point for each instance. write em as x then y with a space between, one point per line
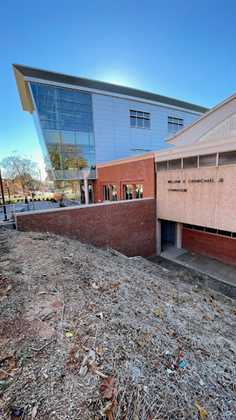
211 245
128 226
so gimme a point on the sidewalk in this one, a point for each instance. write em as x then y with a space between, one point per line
223 276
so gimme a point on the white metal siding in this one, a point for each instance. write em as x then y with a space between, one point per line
114 138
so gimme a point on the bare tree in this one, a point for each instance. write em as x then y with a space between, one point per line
22 170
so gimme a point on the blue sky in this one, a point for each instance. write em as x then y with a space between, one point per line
179 48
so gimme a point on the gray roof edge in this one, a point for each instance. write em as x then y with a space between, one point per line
105 86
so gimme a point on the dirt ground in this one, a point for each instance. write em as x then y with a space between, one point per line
87 333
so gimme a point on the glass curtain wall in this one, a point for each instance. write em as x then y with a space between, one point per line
66 121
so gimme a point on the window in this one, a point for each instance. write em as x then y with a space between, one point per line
207 160
109 192
227 158
113 192
211 230
190 162
161 166
175 164
106 193
128 191
139 119
175 124
139 190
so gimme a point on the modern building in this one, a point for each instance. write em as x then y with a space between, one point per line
196 186
194 183
82 122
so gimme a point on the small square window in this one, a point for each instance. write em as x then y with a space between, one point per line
175 124
139 119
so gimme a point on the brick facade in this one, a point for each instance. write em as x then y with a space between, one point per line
136 170
127 226
216 246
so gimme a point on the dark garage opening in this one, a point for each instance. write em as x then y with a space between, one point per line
168 234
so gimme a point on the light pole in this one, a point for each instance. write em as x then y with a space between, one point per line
3 198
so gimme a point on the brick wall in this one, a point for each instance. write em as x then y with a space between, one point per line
127 226
138 170
216 246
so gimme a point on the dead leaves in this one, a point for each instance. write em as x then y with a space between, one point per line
108 391
5 287
108 388
201 411
8 367
157 312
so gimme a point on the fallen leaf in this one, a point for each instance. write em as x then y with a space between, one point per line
69 334
7 367
201 411
108 410
34 412
99 351
115 285
108 388
157 312
99 373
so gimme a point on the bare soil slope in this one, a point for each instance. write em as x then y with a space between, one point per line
90 334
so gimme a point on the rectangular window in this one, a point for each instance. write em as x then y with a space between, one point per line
109 192
161 166
106 193
128 191
139 191
113 192
207 160
227 158
175 124
139 119
175 164
190 162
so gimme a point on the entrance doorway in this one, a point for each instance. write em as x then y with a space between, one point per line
168 234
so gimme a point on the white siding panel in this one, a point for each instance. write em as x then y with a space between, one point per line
115 138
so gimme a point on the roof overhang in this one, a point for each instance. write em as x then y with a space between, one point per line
205 122
23 88
196 150
25 73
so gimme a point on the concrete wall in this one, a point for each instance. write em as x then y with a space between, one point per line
211 245
115 138
139 171
127 226
210 204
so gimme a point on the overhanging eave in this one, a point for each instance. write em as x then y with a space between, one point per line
23 90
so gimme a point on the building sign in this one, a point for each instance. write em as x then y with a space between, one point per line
191 181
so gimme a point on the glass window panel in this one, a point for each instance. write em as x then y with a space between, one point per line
66 119
175 164
68 137
146 123
227 158
190 162
52 137
207 160
161 166
133 121
139 122
139 190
